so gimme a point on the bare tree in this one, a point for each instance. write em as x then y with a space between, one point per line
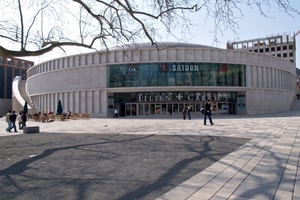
32 28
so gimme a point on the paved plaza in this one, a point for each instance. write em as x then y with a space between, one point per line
240 157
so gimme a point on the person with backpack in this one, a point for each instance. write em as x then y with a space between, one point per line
13 118
202 110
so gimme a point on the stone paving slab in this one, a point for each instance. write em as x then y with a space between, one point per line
104 164
266 167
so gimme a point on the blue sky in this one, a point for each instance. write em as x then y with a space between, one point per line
253 25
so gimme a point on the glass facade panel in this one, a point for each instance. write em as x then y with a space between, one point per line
23 72
2 79
176 74
146 109
173 108
17 72
9 79
176 97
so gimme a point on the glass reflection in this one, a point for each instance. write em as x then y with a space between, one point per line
176 74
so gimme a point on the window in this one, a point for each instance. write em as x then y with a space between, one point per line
284 55
273 49
16 62
278 48
2 82
266 49
291 47
291 54
279 55
8 61
9 79
284 47
185 74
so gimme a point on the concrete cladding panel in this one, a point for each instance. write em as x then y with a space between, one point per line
265 101
80 75
69 79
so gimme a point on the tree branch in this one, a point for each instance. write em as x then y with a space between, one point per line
6 52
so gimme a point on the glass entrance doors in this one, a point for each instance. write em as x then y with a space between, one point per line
162 109
130 109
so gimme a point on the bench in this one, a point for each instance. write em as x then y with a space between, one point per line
31 129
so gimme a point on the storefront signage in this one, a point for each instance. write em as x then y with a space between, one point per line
179 67
223 68
131 70
185 68
179 97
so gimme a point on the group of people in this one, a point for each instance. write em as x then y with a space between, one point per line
66 115
12 118
207 112
186 111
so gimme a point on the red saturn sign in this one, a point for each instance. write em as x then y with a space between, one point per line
223 68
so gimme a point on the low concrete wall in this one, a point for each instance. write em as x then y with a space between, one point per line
31 129
263 101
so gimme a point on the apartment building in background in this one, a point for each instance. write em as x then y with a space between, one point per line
282 46
10 68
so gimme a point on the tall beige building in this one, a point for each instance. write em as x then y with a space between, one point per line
282 46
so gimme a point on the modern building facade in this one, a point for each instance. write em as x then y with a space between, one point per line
143 80
282 46
9 68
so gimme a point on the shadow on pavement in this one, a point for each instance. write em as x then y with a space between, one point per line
104 166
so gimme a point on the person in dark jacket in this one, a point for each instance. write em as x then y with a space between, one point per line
24 119
207 112
13 118
189 112
184 113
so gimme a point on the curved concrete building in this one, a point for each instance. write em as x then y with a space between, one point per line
145 80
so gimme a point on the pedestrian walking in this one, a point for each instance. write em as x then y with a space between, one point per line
24 119
189 112
13 118
8 120
207 112
184 113
170 110
116 113
19 119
